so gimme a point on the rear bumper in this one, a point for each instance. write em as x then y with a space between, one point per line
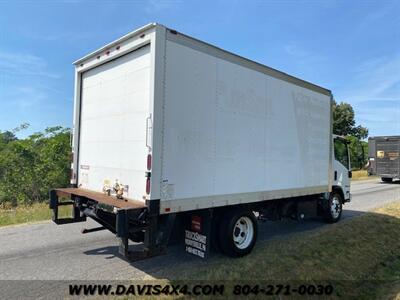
128 220
104 209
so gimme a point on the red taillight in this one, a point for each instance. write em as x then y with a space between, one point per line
148 186
149 162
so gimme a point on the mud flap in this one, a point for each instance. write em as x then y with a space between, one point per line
198 233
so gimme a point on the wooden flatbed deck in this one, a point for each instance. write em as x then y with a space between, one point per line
100 197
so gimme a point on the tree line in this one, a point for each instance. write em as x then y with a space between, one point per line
31 166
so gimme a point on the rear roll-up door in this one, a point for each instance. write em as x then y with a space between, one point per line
114 108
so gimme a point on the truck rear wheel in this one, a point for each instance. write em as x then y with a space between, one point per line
238 233
386 179
333 210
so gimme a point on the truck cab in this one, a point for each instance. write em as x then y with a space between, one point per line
342 166
332 205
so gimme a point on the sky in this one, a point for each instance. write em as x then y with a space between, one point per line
349 47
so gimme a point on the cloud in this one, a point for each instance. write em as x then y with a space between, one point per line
294 50
376 79
375 94
23 97
23 64
154 6
61 36
26 82
375 16
302 56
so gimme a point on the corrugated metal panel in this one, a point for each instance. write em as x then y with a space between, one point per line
388 157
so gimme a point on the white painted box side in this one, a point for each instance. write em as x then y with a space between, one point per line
235 135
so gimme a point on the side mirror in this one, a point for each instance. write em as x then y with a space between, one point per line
350 174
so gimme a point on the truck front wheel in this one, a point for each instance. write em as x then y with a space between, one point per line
238 233
333 211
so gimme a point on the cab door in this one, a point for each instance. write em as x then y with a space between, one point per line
341 166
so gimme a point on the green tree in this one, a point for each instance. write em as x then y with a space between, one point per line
343 118
344 124
30 167
7 136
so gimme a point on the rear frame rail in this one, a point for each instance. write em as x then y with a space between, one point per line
155 236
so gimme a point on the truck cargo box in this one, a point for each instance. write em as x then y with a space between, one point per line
219 129
176 137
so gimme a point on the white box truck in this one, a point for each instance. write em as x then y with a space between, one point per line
176 138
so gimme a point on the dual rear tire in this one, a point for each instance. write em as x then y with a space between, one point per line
237 233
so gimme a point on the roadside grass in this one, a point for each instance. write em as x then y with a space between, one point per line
29 213
361 175
360 257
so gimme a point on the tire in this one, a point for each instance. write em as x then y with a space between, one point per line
237 233
333 210
386 179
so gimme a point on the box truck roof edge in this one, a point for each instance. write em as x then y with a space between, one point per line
116 42
396 137
230 55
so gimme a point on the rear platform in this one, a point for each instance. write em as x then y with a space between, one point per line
100 198
128 219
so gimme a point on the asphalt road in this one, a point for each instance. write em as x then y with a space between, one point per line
47 251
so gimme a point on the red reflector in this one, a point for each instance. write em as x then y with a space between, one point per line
148 185
196 223
167 209
149 162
